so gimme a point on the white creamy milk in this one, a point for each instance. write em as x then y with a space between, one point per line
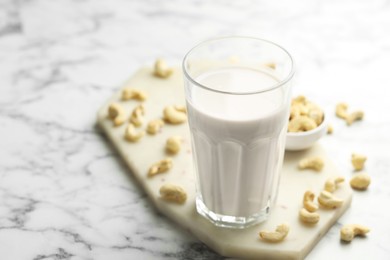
238 140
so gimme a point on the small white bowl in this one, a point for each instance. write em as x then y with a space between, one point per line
303 140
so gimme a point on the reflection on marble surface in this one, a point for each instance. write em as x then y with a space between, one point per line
64 193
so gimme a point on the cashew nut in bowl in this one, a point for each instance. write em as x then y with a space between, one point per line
348 232
174 116
301 124
275 236
307 124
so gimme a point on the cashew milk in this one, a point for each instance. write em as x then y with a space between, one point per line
238 149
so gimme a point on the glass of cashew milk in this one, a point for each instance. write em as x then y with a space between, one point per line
238 93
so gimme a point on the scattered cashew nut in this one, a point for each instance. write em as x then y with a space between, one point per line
131 93
160 167
354 116
131 135
348 232
308 201
173 193
360 181
328 200
116 113
181 108
314 163
119 120
173 115
271 65
358 161
154 126
309 217
137 115
341 110
275 236
329 131
173 144
161 69
331 183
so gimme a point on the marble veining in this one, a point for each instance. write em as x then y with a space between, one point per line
64 192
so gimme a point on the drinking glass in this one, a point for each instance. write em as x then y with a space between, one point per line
238 92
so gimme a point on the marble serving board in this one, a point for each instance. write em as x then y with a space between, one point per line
245 243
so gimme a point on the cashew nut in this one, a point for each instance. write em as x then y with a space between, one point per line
301 123
131 135
348 232
309 217
314 163
316 114
308 201
161 69
270 65
116 113
354 116
331 183
174 116
119 120
329 131
341 110
358 161
294 112
360 181
276 236
173 193
327 200
160 167
130 93
304 115
154 126
299 100
137 115
181 108
173 144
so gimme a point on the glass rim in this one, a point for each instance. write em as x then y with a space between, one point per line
272 87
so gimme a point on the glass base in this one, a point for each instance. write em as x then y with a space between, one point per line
231 221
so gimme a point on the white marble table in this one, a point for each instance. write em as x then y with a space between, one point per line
64 192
